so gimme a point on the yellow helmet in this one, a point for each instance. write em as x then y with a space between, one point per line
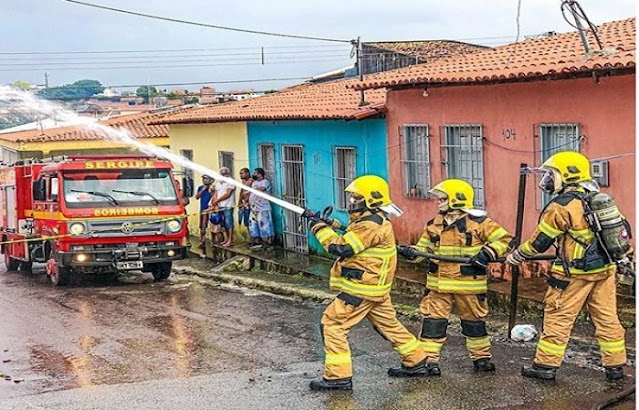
373 189
571 165
460 193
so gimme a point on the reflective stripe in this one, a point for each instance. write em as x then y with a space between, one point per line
456 285
424 243
380 253
407 348
458 250
551 348
527 249
384 271
358 288
477 342
499 247
497 234
549 230
575 271
352 239
430 346
325 234
337 359
617 346
578 252
581 232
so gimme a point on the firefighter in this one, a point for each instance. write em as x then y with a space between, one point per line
567 175
458 230
363 273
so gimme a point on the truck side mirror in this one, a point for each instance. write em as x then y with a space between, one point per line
187 186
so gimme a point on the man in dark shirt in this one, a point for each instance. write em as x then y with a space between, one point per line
204 196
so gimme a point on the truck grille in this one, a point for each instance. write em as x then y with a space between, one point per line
125 228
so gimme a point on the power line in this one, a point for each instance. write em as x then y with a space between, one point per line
169 66
174 50
254 80
193 23
239 60
257 52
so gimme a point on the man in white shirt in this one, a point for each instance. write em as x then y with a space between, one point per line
224 201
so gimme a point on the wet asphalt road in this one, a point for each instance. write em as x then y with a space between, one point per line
191 345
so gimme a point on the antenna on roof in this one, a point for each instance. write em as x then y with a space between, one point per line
357 48
578 15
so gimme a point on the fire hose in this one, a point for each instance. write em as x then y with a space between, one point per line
458 259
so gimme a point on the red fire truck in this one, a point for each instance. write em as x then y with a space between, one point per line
93 214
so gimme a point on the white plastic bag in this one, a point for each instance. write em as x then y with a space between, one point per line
523 333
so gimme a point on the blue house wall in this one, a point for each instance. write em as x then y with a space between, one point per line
319 139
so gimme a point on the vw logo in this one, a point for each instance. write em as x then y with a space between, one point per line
127 228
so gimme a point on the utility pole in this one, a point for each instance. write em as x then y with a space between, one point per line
360 68
46 80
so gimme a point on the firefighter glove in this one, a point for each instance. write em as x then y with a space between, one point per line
314 218
482 259
516 258
407 252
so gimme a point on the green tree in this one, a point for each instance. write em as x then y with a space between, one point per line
21 85
191 100
79 90
146 92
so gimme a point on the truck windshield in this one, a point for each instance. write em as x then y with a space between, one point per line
129 187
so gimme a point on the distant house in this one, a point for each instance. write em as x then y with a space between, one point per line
68 139
480 115
389 55
312 140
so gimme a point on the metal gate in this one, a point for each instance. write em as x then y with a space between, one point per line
294 191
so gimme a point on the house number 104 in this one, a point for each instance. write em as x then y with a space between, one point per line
508 133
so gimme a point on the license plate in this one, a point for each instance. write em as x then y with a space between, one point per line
128 265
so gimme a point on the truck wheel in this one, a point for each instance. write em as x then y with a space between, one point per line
162 271
59 276
10 263
26 267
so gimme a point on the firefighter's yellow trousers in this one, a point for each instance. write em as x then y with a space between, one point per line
472 310
340 316
561 307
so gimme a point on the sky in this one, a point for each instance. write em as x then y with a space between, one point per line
30 26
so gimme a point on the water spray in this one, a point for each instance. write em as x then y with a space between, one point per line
28 103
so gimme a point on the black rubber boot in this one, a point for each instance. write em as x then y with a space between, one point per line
614 373
421 369
334 384
483 365
539 372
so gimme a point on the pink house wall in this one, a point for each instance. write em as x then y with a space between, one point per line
605 112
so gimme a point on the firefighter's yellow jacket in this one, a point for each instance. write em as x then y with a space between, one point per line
367 256
465 237
563 222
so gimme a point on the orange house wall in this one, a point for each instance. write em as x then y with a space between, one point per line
605 112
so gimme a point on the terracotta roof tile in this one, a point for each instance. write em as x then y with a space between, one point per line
331 100
428 49
556 56
136 124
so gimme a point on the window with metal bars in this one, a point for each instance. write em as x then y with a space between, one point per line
266 155
9 156
345 164
555 138
416 160
464 156
226 159
188 154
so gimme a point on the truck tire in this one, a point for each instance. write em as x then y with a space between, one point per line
161 271
11 264
26 267
60 276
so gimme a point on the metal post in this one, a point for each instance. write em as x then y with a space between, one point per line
523 172
575 15
360 69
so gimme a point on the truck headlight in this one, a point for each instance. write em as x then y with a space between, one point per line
77 228
174 225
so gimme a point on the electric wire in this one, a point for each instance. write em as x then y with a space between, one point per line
514 50
193 23
578 12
